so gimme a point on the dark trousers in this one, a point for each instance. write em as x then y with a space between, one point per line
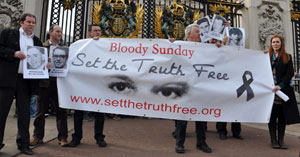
181 132
46 94
277 122
235 128
22 93
98 127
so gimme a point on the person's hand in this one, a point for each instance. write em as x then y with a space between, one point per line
277 88
295 74
19 54
266 51
48 66
218 44
224 40
96 37
172 40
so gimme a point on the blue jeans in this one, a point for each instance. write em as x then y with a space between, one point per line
32 105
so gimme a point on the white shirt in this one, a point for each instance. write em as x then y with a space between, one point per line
25 41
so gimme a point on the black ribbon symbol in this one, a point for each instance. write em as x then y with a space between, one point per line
246 86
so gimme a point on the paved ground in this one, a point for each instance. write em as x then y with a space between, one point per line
152 137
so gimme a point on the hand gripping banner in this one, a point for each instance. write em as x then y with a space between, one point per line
180 80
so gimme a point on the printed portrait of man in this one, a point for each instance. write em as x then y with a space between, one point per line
204 25
60 57
35 59
235 37
218 25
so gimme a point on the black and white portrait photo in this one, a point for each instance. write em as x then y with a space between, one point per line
35 58
34 65
217 29
60 57
236 36
204 25
59 60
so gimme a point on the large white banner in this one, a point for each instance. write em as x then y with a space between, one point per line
180 80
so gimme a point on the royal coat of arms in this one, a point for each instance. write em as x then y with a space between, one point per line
170 22
119 18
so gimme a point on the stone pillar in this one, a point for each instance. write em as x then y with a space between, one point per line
264 18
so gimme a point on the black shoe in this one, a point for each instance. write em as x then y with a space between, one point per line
222 136
238 137
26 150
282 145
275 144
74 143
102 143
205 148
179 149
1 146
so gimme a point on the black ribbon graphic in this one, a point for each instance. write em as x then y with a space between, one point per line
246 86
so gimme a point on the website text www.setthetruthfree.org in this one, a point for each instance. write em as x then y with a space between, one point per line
127 103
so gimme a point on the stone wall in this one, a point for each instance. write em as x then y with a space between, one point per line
264 18
11 10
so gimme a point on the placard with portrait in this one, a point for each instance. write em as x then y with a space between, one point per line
59 61
217 28
34 65
204 27
236 36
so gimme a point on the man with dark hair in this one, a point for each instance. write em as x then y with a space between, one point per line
13 44
48 90
203 26
218 24
94 32
60 57
235 37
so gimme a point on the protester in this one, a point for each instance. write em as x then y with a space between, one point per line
235 129
94 32
222 126
47 91
283 113
13 44
192 33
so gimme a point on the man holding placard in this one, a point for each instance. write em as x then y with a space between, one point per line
48 90
13 46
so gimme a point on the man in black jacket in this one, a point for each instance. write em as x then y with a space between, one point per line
13 44
94 32
47 91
